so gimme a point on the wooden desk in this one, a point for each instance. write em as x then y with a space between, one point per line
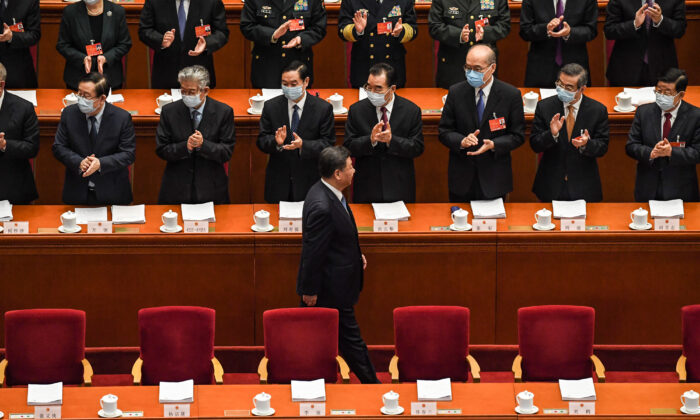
247 166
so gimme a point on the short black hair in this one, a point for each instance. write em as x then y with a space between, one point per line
573 70
297 66
331 159
101 83
676 76
386 69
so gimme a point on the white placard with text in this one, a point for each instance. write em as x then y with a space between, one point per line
43 412
573 225
484 225
386 226
99 227
577 408
290 226
16 228
423 408
312 409
667 224
196 226
176 410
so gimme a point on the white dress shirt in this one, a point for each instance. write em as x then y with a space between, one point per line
290 108
187 7
335 192
487 91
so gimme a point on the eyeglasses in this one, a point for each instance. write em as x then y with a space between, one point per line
89 98
477 69
368 88
665 92
189 92
568 88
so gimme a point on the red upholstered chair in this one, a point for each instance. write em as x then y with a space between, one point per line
44 346
301 344
432 342
556 342
688 365
177 344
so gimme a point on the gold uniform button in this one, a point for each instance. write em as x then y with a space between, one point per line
471 30
489 15
471 43
284 55
371 34
443 59
452 16
371 45
283 42
387 45
257 57
265 16
284 17
471 17
387 56
371 57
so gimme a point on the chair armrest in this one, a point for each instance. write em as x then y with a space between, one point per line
518 368
599 368
394 369
475 368
87 373
218 371
344 369
680 369
262 370
3 367
136 371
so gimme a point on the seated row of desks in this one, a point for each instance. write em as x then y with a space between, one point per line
484 400
247 166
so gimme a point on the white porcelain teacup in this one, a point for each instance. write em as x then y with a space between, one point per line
530 101
69 220
459 218
262 402
639 217
337 101
262 219
169 220
109 404
525 400
624 100
543 217
391 401
256 103
690 400
163 100
70 99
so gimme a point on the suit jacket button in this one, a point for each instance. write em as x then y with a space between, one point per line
284 42
284 17
489 16
471 17
471 43
265 16
443 59
371 34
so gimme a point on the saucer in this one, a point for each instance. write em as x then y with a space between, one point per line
257 229
536 226
64 230
635 227
166 230
529 111
399 410
251 111
685 411
343 110
1 229
533 410
1 413
117 413
157 111
257 412
618 109
458 229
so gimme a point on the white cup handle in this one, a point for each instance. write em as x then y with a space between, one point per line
383 400
617 99
683 400
102 405
64 101
538 222
162 218
632 217
453 219
250 102
517 398
62 220
158 103
254 405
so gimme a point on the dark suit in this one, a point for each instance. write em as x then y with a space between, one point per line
75 33
626 66
446 20
665 178
260 19
115 148
198 176
331 269
160 16
290 173
371 48
15 55
492 169
565 172
384 174
581 15
21 127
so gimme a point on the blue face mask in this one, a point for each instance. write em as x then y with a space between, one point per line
565 96
86 106
474 78
665 102
293 93
191 101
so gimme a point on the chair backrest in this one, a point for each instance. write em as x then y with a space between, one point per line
432 342
556 342
301 344
177 344
690 324
44 346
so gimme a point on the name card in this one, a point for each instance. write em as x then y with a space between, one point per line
343 412
176 410
47 412
312 409
423 408
290 226
573 225
196 226
386 226
581 408
667 224
16 228
484 225
99 227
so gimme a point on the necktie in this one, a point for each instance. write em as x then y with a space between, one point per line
570 121
667 125
344 203
560 12
195 119
385 120
480 106
181 19
647 19
93 132
295 118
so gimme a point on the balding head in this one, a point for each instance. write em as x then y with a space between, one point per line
483 54
480 59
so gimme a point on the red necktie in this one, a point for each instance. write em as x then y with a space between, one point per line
385 120
667 125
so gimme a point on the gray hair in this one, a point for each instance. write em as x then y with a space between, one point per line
491 57
3 73
196 73
574 70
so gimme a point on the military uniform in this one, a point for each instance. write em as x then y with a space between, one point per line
446 20
371 48
260 19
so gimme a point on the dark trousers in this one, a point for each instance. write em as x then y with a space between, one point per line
474 193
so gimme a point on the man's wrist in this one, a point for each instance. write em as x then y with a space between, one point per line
656 25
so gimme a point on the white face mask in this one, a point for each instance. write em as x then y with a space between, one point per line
377 99
86 106
91 2
191 101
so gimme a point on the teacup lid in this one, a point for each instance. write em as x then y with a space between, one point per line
461 212
624 94
526 393
262 213
543 212
691 394
169 212
263 396
391 394
257 97
166 95
109 397
68 213
336 97
640 211
71 95
531 94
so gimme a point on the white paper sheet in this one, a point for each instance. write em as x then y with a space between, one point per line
291 209
642 96
577 390
128 214
51 394
271 93
440 390
362 94
391 211
114 98
175 93
5 211
569 209
199 212
488 209
546 93
29 95
309 390
667 209
176 392
91 214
